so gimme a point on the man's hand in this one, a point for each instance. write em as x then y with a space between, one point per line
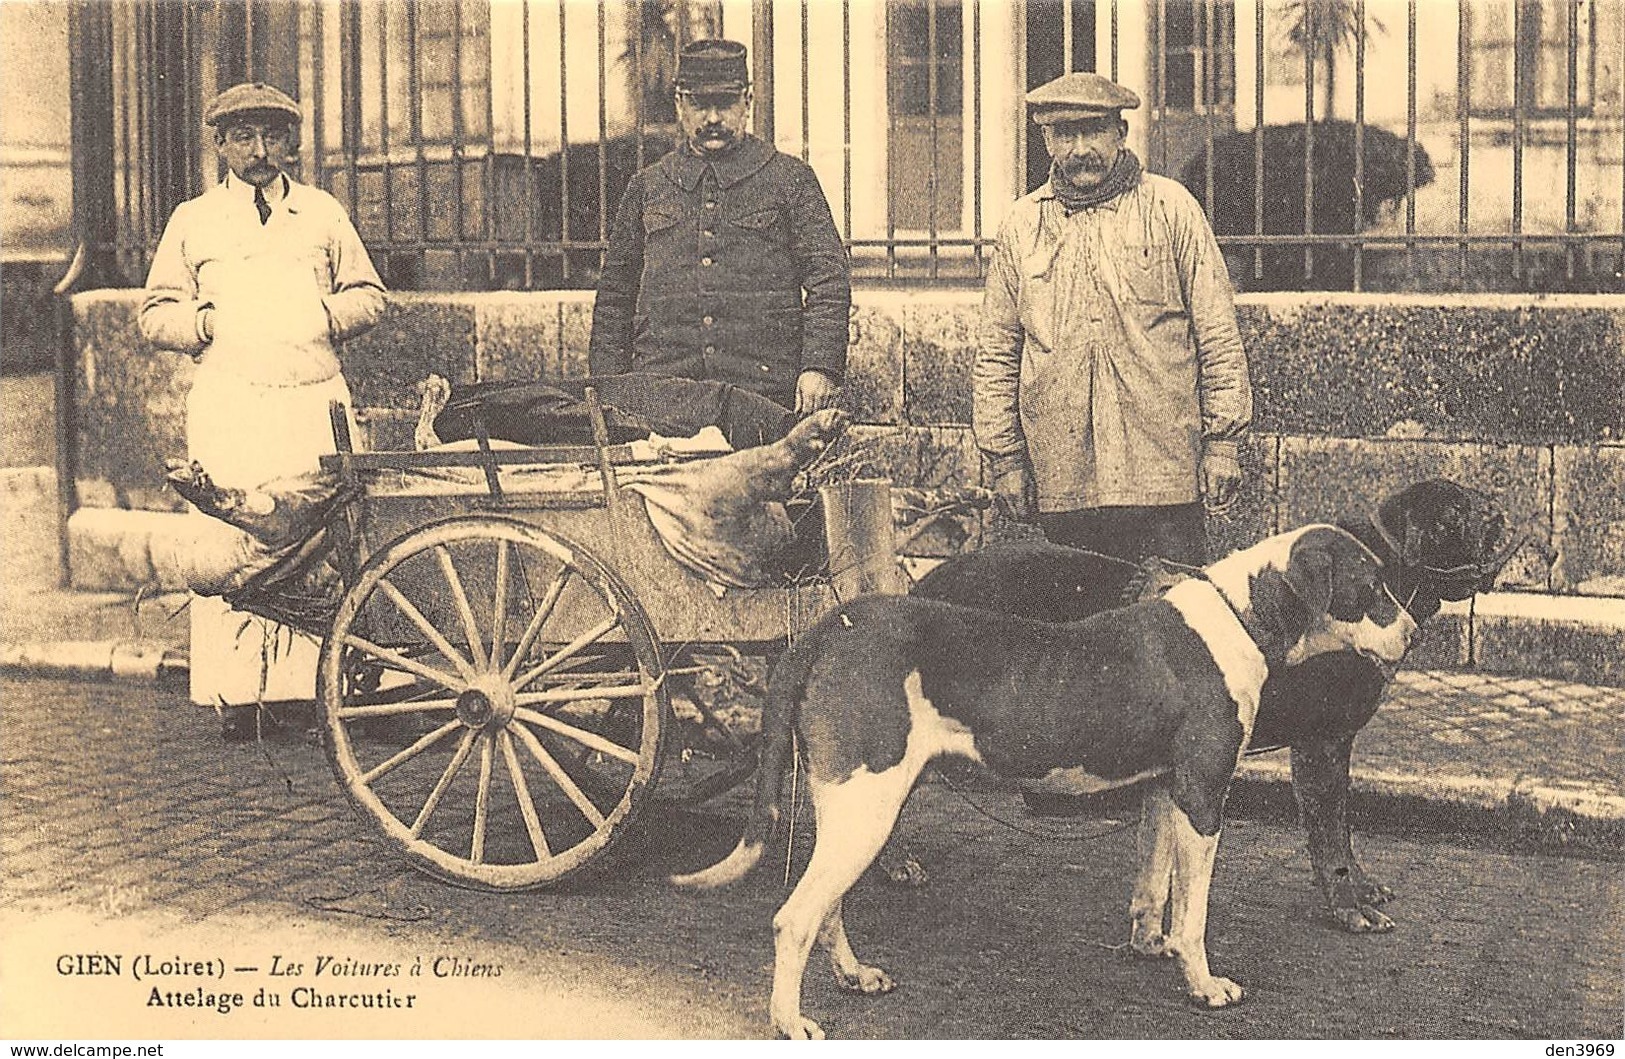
815 392
1221 482
1015 490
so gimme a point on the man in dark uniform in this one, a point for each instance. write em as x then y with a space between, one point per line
724 264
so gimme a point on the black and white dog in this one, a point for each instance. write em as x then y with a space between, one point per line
1167 688
1437 541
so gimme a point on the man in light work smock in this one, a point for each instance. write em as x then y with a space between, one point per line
724 263
258 280
1110 384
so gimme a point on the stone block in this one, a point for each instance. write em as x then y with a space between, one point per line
1443 642
874 361
938 347
386 429
1567 649
1323 479
112 549
419 335
575 335
1254 514
1588 520
518 338
1510 369
130 397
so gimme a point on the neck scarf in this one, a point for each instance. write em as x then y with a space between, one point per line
1124 174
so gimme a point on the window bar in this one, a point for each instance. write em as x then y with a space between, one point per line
414 95
1359 145
318 128
1066 36
529 162
1410 143
1572 156
640 14
1464 90
489 220
1114 40
1309 29
564 151
846 118
976 132
933 68
350 97
386 169
250 66
1622 168
603 131
806 87
140 149
1518 92
891 149
1258 137
457 137
1159 160
1210 92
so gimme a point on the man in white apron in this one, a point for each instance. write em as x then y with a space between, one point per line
258 279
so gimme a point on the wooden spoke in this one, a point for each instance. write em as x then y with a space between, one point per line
433 635
521 788
579 679
444 784
578 789
476 646
580 735
385 767
482 800
534 629
625 691
499 605
391 709
597 632
562 778
400 661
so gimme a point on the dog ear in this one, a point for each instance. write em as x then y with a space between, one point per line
1309 576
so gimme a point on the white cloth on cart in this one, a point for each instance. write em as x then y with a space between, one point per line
245 435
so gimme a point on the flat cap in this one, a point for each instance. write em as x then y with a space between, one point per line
1076 96
253 97
712 64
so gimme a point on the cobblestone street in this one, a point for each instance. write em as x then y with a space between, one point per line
124 816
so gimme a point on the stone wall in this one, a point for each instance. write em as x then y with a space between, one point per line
1356 395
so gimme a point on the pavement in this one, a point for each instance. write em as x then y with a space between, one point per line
1527 761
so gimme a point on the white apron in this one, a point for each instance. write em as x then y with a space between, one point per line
245 435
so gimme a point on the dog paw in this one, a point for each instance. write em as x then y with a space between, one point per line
866 980
1216 992
905 872
1369 890
1362 920
1152 945
799 1028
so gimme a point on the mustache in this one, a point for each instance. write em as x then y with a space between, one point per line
713 131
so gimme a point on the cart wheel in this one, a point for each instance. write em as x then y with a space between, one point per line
494 700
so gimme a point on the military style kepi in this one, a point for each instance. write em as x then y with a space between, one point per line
1078 97
249 100
712 65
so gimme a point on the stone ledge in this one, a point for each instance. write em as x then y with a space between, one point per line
1572 637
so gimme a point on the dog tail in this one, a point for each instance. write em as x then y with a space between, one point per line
784 692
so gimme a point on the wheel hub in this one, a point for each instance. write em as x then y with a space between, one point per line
486 705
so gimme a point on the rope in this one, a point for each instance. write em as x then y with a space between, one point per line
1048 836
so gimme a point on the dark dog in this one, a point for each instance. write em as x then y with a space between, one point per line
1167 687
1437 541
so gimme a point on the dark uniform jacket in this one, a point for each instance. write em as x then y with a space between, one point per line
729 270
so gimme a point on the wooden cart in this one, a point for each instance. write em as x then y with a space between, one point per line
498 678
